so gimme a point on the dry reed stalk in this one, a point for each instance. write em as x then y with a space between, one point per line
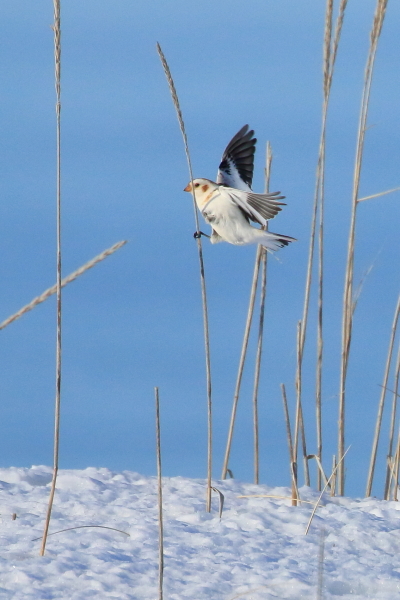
263 258
396 478
299 425
330 48
287 421
298 394
175 100
393 419
221 501
241 362
348 309
379 194
322 493
84 527
391 463
50 291
292 464
333 482
378 424
319 465
57 57
159 497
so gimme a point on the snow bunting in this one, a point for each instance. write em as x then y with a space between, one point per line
229 204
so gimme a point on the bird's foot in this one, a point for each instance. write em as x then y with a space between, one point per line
197 235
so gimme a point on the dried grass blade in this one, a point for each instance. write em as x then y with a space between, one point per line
378 424
57 60
322 493
221 501
347 318
202 275
50 291
379 194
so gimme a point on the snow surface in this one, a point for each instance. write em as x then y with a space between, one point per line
258 549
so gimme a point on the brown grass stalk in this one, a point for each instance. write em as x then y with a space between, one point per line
292 463
396 469
322 493
330 47
379 194
393 419
175 100
57 59
242 360
261 257
348 310
50 291
299 423
333 482
381 405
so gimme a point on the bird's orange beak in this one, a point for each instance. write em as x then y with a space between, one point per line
188 188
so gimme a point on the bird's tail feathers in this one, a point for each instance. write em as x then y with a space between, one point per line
274 241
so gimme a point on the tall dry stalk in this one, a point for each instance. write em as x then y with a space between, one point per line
299 423
57 57
348 301
159 497
175 100
330 48
396 469
242 361
263 258
292 464
393 419
378 424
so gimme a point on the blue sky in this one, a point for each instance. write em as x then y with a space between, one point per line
134 321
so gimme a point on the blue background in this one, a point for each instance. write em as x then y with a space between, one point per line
134 322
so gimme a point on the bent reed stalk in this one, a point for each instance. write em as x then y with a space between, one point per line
175 100
57 59
348 301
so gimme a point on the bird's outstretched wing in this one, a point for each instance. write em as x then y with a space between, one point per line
237 163
257 207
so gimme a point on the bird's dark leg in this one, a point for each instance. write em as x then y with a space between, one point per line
198 234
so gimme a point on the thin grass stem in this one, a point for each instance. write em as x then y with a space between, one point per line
50 291
333 482
292 458
378 424
263 285
57 58
322 492
242 360
379 194
348 310
175 100
393 419
330 48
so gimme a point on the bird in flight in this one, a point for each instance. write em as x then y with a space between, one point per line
229 204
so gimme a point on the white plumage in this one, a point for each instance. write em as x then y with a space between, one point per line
228 205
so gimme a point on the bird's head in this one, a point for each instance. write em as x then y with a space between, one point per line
202 187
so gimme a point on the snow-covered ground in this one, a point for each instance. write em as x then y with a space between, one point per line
258 549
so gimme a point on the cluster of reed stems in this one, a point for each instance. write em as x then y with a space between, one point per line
332 34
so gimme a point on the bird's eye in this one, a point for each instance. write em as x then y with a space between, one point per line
196 185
